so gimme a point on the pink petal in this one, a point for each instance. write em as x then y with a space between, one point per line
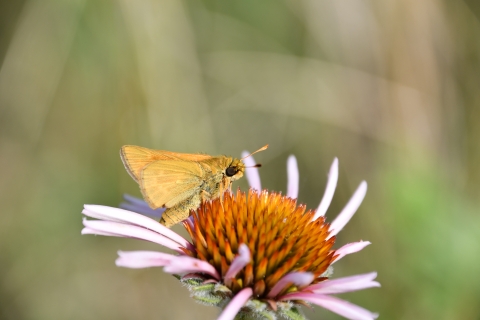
138 205
329 190
347 213
252 174
136 201
236 304
346 284
299 279
350 248
124 216
190 222
239 262
184 264
293 177
143 259
124 230
98 233
339 306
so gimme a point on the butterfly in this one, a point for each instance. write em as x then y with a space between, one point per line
180 182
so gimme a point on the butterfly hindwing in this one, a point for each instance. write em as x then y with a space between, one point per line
165 183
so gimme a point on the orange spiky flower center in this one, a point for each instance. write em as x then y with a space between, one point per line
281 236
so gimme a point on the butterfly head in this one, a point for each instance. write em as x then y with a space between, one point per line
235 170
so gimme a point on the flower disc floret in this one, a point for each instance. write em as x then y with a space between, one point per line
281 236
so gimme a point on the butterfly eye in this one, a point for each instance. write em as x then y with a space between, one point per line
231 171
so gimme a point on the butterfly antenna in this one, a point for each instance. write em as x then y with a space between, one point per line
261 149
258 165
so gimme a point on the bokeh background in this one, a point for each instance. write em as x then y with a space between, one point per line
391 88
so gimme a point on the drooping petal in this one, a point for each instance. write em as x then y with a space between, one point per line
252 174
143 259
350 248
236 304
297 278
185 264
347 213
293 177
346 284
239 262
135 201
87 230
133 218
124 230
339 306
329 190
138 205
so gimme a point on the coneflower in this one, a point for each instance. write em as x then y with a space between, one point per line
255 256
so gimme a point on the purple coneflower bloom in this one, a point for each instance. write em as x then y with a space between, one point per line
255 256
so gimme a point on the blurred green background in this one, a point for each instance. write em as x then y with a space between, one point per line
389 87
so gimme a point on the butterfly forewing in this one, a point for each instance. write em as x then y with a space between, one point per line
167 182
135 158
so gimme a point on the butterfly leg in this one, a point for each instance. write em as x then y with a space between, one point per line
224 187
180 211
204 196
